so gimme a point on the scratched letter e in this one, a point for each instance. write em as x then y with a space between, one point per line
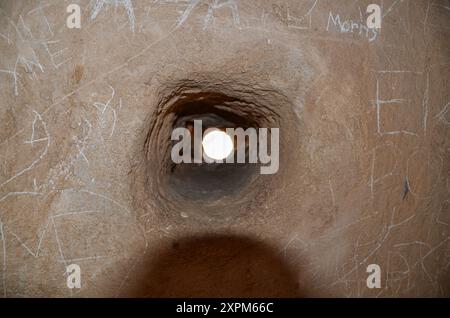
74 276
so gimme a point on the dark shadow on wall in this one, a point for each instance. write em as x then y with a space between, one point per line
218 266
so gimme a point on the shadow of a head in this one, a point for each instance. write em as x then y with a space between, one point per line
218 266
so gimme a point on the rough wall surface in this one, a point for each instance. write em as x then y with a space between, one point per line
364 121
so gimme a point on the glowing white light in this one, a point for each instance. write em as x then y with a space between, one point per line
217 145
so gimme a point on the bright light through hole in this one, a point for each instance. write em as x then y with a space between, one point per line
217 145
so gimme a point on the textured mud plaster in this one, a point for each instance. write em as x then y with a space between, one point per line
85 177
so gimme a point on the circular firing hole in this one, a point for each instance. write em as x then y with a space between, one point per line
217 144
